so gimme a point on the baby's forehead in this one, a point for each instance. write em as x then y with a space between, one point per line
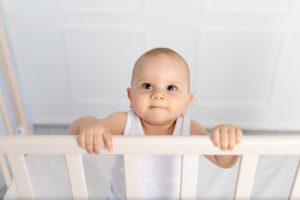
149 62
158 54
152 66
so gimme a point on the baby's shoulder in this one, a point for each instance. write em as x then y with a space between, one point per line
118 115
196 128
117 122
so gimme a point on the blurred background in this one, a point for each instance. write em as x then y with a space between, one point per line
74 57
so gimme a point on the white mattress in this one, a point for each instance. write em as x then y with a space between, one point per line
273 178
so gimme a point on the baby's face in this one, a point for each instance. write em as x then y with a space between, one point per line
160 89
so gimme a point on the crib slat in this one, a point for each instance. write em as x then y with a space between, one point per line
131 166
189 176
9 129
295 189
246 177
76 176
21 176
11 82
5 171
4 112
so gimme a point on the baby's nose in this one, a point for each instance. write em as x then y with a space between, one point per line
157 95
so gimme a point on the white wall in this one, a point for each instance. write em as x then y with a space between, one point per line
75 57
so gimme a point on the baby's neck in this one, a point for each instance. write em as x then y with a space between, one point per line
164 129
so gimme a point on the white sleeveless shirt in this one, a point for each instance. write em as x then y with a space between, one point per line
160 175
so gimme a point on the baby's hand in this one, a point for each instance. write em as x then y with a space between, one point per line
226 136
93 136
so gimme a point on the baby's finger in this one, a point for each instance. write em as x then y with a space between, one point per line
108 141
224 139
97 143
89 142
231 139
81 140
215 137
238 135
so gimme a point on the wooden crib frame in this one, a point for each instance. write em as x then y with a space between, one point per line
16 147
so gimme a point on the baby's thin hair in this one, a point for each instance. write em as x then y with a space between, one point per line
161 51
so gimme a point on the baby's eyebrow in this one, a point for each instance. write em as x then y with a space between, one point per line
176 84
169 82
142 80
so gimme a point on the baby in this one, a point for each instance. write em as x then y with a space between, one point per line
159 97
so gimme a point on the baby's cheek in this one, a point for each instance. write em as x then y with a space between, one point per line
179 107
139 106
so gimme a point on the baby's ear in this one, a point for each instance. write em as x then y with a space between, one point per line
190 98
129 93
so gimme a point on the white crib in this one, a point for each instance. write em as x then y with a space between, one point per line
16 148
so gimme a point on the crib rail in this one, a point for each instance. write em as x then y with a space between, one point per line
189 146
136 145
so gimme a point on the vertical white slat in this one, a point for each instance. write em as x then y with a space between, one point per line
21 176
11 82
76 176
246 176
295 189
9 130
189 176
5 116
5 171
132 176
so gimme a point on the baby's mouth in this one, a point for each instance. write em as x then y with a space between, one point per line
157 107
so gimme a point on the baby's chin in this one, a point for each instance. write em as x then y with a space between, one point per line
159 120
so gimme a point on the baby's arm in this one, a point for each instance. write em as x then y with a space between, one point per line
93 133
222 137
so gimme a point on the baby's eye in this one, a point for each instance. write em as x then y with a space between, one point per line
172 88
147 86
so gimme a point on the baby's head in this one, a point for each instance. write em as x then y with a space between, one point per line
160 86
162 53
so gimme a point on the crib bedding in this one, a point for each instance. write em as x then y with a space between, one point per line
274 176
